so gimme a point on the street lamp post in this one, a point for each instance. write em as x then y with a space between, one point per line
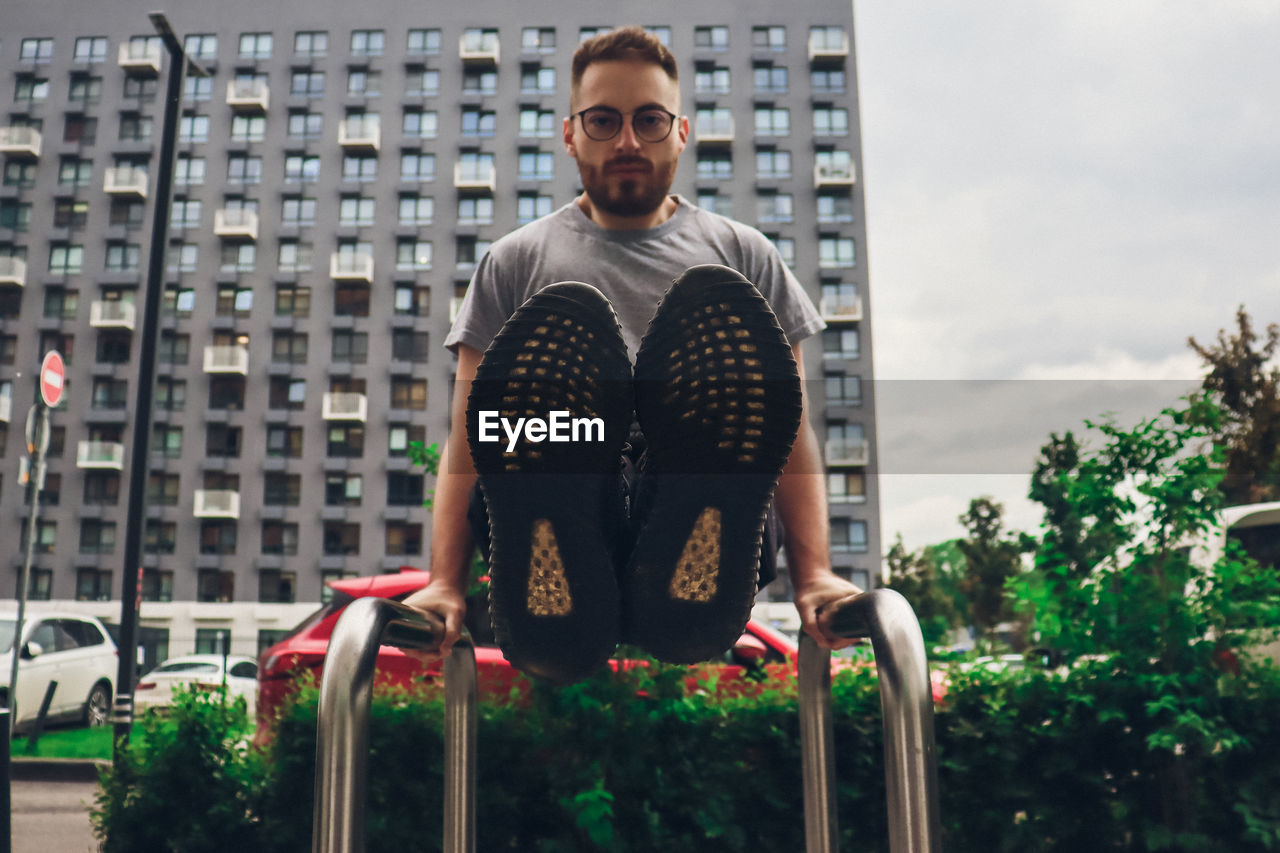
131 589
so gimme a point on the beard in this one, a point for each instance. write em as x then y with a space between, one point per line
629 196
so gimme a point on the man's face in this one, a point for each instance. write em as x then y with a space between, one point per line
626 176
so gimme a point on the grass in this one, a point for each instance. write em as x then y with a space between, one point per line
73 743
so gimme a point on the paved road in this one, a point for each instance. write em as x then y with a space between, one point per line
52 817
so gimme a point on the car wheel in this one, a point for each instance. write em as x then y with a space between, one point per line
98 705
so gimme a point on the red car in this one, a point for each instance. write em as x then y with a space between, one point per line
304 649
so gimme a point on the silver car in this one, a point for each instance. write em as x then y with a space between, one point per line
71 649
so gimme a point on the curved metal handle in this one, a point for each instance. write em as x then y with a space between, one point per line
342 736
906 697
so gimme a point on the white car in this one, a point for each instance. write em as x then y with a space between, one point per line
71 649
202 672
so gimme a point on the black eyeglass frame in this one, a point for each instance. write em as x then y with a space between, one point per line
621 115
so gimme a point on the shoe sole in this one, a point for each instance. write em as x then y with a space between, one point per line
553 589
718 397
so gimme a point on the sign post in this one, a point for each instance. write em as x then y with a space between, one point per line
52 380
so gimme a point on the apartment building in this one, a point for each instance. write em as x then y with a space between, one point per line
338 175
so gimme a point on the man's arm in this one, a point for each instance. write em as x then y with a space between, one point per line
801 501
451 540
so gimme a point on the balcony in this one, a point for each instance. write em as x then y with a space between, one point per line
141 58
248 95
13 271
482 177
847 452
828 175
6 410
112 314
100 454
217 503
351 267
227 359
710 132
841 311
358 133
823 48
455 304
125 180
235 223
345 406
20 141
482 53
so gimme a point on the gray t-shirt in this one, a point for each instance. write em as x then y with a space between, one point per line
632 268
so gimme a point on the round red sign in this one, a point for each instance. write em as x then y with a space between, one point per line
53 375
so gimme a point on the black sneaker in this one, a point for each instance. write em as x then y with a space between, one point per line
718 398
553 585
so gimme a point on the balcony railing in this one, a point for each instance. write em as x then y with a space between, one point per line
847 451
718 131
125 180
455 304
345 406
140 57
13 270
822 48
6 410
112 314
248 95
484 52
359 133
348 267
100 454
232 358
216 503
830 175
20 141
475 177
236 222
841 311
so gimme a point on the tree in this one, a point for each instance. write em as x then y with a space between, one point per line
1248 392
920 578
992 559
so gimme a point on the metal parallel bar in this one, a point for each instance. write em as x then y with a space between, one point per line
906 698
342 736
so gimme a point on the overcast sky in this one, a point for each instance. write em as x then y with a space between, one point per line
1056 190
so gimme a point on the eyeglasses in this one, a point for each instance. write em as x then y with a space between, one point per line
651 124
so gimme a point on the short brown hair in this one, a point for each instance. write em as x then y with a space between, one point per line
624 43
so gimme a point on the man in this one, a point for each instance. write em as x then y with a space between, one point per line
629 238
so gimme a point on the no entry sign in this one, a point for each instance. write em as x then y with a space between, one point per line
53 374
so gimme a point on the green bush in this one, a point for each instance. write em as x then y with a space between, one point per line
1066 760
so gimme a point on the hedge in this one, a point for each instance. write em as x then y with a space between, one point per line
1075 760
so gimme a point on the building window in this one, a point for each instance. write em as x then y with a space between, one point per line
840 343
275 587
346 441
367 42
84 89
475 210
416 210
80 129
350 347
535 165
298 210
363 83
173 348
306 125
125 212
166 440
408 393
351 300
281 489
536 80
826 38
401 436
843 390
786 247
40 586
848 535
289 346
284 441
93 585
193 128
479 82
538 123
311 43
715 165
102 488
478 122
157 585
476 40
531 206
188 170
421 81
162 489
97 537
29 89
830 121
286 393
403 538
827 79
279 537
122 257
538 39
61 303
847 487
178 301
469 250
713 121
423 41
354 210
416 166
91 49
35 50
834 208
201 46
237 257
248 128
170 394
412 300
255 45
340 538
161 538
773 207
19 173
65 259
408 345
75 172
293 300
711 38
835 252
413 254
661 33
773 163
772 121
709 79
234 301
343 489
769 38
193 88
769 77
838 298
307 83
244 170
715 202
420 124
359 169
16 215
585 33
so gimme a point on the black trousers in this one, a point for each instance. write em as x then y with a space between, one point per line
620 527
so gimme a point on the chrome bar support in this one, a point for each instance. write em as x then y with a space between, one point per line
342 725
906 698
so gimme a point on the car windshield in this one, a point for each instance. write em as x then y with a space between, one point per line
6 634
187 666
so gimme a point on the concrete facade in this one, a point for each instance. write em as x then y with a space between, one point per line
370 127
